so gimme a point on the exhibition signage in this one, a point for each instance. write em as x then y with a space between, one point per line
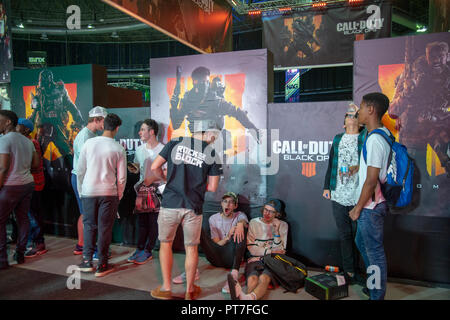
205 25
314 38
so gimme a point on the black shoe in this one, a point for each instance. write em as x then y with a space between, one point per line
19 257
86 266
104 269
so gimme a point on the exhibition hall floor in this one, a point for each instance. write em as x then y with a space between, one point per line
45 277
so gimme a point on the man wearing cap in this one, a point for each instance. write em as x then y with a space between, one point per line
26 127
266 235
192 170
95 123
17 157
228 233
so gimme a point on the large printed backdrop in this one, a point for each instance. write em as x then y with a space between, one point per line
306 131
417 242
317 38
57 100
235 95
417 85
416 247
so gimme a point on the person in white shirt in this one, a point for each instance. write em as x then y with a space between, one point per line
370 209
95 123
17 157
147 221
102 176
266 235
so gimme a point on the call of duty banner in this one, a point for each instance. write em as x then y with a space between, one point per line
230 88
413 72
57 100
204 25
6 56
301 136
416 247
313 38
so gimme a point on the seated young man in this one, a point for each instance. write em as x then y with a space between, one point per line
266 235
228 235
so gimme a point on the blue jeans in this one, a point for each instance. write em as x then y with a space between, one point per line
73 181
369 240
17 199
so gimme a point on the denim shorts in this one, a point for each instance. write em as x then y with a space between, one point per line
169 219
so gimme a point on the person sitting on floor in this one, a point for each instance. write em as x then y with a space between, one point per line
266 235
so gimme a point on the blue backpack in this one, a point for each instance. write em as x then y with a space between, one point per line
398 188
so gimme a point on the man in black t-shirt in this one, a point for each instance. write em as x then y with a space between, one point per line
192 169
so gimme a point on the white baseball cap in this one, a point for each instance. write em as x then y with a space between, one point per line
206 125
98 112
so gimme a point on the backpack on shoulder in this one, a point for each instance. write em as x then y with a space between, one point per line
288 272
398 188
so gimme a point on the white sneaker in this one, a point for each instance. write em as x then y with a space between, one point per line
182 278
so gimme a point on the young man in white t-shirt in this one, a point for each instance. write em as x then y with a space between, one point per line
371 208
147 221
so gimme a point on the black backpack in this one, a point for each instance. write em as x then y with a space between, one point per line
288 272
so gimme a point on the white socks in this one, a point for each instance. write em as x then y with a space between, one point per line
249 296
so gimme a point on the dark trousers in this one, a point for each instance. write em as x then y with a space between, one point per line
347 232
17 199
98 220
230 255
36 213
148 230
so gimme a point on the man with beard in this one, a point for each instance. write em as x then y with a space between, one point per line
421 104
51 107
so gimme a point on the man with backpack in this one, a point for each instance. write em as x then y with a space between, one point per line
371 207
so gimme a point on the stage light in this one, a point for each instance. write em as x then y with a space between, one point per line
320 5
355 3
20 25
254 12
90 26
285 9
421 28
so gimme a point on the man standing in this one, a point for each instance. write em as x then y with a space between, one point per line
17 157
371 208
95 123
102 176
192 170
26 127
147 221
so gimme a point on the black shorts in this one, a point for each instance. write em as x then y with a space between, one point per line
257 268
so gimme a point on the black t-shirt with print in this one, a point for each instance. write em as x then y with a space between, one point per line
189 163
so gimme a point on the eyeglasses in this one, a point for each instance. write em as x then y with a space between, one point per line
352 116
270 211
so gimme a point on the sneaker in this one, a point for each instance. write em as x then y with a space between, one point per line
19 257
160 294
132 258
234 286
104 269
78 250
182 277
37 251
86 266
143 257
95 255
226 288
193 295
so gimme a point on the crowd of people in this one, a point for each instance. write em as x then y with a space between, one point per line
173 180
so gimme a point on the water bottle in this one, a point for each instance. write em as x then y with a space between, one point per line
332 268
344 173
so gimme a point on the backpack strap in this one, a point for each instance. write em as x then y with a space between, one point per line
390 139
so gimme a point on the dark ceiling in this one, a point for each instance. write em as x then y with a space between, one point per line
46 20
